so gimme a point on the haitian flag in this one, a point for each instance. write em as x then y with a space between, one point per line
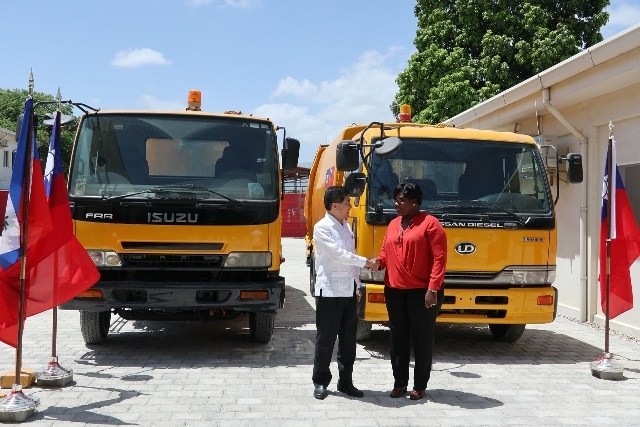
624 244
26 207
66 269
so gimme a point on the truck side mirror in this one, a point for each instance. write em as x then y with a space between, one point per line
48 121
355 183
347 156
290 153
65 119
388 146
574 168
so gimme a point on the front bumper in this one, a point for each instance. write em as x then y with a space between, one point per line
138 295
477 305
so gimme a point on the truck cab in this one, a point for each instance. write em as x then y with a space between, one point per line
180 212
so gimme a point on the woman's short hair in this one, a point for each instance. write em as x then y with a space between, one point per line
409 190
334 194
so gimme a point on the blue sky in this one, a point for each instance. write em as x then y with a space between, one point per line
311 66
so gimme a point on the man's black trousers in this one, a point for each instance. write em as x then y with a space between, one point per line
335 317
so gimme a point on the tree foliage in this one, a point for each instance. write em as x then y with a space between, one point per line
12 105
471 50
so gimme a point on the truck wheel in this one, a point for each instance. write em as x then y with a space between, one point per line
261 326
507 333
312 276
363 330
94 326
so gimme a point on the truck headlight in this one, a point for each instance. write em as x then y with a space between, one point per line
527 276
248 259
105 258
369 276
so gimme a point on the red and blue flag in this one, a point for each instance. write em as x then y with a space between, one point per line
624 243
58 267
39 222
26 209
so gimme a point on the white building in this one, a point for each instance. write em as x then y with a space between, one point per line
571 105
7 148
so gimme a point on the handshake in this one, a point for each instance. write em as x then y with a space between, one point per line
372 264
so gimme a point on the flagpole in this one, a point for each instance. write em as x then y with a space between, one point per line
17 407
24 225
610 180
53 374
604 367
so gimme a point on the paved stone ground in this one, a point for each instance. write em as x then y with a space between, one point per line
189 373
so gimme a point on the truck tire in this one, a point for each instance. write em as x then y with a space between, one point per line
363 330
507 333
94 326
261 326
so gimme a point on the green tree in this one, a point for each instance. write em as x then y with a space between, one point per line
471 50
12 105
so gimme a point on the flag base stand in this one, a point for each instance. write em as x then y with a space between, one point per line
16 406
606 369
53 375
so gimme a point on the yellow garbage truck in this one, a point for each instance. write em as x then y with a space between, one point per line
490 191
180 211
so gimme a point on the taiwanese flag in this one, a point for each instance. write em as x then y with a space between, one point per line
329 177
26 206
67 269
624 246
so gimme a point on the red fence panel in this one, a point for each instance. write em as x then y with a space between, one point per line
293 221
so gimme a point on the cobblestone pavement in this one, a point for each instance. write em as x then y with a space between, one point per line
191 373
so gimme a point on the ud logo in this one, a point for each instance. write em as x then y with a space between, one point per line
465 248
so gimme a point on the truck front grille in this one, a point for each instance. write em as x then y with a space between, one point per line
171 261
470 275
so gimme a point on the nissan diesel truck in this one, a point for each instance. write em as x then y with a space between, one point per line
488 189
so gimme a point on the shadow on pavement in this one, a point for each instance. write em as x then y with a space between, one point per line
83 413
473 344
460 399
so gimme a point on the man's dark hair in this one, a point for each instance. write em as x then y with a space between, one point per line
334 194
409 190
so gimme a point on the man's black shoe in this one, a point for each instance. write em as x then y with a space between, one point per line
349 389
319 391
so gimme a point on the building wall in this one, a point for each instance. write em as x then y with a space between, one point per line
571 105
7 147
580 298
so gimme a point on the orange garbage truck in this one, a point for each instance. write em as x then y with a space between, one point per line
181 213
490 191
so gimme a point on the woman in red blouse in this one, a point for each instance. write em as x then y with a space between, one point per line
414 252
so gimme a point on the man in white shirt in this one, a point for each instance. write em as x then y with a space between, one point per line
337 271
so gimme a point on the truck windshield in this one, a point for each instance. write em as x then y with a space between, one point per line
463 174
121 154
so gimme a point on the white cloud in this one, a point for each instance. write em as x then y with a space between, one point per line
622 15
293 87
138 57
315 112
197 3
243 4
150 102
